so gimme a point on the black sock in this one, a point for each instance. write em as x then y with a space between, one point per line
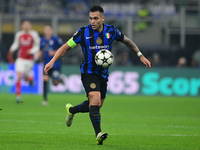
95 118
45 90
83 107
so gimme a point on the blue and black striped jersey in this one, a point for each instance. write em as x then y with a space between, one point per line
46 45
91 42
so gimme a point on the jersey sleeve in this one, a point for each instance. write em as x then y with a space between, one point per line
15 44
60 42
42 44
76 38
36 44
119 35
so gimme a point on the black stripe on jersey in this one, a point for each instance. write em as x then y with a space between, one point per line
112 33
93 51
77 35
86 51
101 35
121 38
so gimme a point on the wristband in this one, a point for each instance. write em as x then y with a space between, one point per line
139 54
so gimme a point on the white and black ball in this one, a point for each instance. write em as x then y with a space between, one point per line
104 58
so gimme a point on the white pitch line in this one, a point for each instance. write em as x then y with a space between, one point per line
176 135
30 121
132 125
163 135
33 114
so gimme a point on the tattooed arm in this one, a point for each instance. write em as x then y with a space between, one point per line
133 47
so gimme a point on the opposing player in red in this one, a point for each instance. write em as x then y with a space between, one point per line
28 43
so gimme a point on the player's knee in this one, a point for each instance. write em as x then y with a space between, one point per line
102 101
45 77
94 98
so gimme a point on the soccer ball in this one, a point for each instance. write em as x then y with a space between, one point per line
104 58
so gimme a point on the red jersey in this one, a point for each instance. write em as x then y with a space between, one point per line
26 42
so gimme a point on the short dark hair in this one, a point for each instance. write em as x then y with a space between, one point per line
97 8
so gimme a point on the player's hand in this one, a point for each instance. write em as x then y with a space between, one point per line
10 57
48 67
145 61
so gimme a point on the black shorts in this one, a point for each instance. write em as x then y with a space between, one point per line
94 82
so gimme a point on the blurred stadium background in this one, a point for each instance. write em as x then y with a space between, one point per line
167 32
169 28
146 109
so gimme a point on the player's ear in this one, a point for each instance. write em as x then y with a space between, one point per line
103 18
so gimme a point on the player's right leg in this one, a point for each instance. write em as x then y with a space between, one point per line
92 87
18 87
101 137
94 110
28 71
45 89
20 69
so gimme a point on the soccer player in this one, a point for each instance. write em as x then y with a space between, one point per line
92 38
48 46
28 42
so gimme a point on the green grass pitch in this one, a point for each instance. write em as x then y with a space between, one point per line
132 122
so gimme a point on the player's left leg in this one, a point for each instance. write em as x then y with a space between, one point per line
71 110
18 87
30 80
82 107
28 71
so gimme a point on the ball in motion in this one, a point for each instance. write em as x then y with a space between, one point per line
104 58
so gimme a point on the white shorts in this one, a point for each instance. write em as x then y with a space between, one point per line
24 66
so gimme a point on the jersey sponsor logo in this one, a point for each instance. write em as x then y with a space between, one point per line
99 47
89 37
26 42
